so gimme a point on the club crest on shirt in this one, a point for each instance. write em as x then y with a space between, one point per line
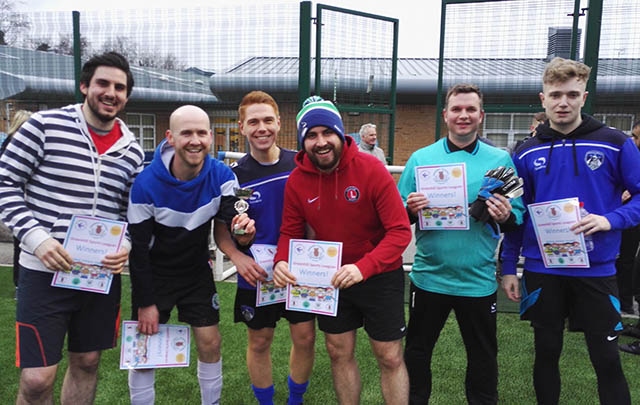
594 159
352 194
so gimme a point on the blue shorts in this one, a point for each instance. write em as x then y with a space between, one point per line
46 314
265 316
590 303
195 296
376 303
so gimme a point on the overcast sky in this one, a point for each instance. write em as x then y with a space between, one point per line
417 18
505 29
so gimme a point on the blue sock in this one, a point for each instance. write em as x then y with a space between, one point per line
296 391
264 395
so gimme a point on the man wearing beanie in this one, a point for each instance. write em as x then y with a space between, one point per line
338 194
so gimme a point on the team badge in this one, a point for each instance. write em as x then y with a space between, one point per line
441 176
352 194
247 312
215 301
594 159
316 253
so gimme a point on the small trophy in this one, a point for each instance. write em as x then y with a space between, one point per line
242 205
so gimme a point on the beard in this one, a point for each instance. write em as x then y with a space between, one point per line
325 165
95 110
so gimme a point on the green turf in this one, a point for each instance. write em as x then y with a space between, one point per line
179 386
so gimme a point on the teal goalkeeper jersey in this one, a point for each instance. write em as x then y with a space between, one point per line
457 262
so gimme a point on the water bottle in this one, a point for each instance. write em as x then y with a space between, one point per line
588 239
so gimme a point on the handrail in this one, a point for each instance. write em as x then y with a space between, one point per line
224 155
219 273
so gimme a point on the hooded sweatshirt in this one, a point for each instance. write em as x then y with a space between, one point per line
594 163
52 170
357 204
170 220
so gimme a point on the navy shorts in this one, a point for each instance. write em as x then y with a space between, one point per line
195 296
266 316
45 314
377 304
590 303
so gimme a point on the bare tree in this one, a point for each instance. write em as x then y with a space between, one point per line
143 58
11 22
124 46
64 46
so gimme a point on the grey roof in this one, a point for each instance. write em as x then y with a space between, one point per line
42 76
501 80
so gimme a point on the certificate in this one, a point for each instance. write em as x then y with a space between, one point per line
559 246
88 240
313 263
445 186
266 292
170 347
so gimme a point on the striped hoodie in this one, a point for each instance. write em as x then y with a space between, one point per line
51 170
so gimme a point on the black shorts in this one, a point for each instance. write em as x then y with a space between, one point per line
590 303
195 296
245 310
377 304
45 314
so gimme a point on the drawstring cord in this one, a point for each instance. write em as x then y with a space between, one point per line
553 141
576 170
575 158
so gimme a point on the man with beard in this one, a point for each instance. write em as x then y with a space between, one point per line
76 160
338 194
172 204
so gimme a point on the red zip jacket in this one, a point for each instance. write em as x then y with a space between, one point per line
357 204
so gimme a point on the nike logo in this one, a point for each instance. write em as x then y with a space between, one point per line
612 338
311 200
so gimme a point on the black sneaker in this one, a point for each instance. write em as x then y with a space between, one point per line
633 348
631 330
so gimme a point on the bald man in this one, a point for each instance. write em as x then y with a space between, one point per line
172 204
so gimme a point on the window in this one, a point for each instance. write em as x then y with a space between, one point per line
505 129
226 133
143 127
623 122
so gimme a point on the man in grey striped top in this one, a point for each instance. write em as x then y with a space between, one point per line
76 160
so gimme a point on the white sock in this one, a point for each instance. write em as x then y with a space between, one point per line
210 379
141 386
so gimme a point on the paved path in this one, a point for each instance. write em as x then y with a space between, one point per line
6 254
